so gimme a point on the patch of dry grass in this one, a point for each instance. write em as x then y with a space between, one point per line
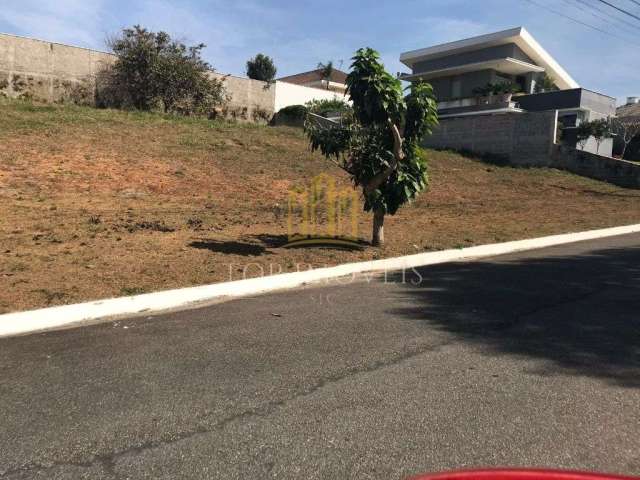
99 203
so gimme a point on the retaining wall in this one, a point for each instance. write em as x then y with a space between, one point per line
250 100
619 172
48 71
520 138
52 72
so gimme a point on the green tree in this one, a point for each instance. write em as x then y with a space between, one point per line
326 70
261 67
601 130
153 71
583 133
379 146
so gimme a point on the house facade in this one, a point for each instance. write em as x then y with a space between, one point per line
506 72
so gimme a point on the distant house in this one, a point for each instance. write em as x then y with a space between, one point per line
459 72
315 79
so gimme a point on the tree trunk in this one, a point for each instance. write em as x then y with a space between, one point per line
378 228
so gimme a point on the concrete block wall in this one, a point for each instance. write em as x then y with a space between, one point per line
520 138
47 71
619 172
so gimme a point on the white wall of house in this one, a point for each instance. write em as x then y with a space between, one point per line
292 94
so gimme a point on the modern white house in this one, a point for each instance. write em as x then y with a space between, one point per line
506 72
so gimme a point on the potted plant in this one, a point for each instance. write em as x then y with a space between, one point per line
505 91
484 95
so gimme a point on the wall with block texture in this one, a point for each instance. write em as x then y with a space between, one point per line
619 172
520 138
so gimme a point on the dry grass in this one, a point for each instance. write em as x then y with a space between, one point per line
96 204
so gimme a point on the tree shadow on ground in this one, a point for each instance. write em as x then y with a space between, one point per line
230 247
578 314
332 243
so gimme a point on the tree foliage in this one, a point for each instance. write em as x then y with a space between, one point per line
379 146
600 130
153 71
261 67
324 106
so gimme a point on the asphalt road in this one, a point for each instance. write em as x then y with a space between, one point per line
530 359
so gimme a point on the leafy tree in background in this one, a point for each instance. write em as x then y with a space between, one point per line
583 132
326 70
261 67
601 130
379 146
153 71
323 107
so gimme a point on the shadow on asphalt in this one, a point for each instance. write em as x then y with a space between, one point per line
579 313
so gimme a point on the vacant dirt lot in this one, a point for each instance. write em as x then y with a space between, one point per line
96 204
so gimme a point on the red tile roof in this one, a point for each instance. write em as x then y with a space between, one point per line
337 76
632 110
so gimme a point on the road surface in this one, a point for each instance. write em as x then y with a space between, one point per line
531 359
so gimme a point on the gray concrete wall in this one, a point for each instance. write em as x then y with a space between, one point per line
601 105
47 71
519 138
619 172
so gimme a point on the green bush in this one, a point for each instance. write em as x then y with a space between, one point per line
292 114
154 72
324 107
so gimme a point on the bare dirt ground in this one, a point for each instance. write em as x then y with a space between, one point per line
97 203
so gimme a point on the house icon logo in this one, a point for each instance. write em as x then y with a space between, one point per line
323 215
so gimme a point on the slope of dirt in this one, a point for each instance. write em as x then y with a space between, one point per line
99 203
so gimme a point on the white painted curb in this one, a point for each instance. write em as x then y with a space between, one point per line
55 317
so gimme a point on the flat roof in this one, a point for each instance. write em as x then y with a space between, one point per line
506 65
519 35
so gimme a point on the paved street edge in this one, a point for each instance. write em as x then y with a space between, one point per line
20 323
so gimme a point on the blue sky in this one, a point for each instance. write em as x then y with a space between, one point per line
299 34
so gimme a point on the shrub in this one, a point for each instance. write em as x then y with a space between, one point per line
291 115
261 67
324 107
152 71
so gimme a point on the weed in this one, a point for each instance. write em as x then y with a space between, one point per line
131 291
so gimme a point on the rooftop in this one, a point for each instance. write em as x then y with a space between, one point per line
519 35
337 76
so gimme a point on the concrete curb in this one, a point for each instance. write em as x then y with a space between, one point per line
20 323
